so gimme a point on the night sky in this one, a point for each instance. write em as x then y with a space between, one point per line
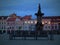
29 7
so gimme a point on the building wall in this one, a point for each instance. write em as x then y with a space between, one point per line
3 24
17 23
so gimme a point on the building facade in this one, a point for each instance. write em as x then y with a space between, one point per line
14 22
3 23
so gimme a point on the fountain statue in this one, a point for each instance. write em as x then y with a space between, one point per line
39 25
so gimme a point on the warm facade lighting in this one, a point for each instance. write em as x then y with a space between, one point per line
31 21
45 21
25 21
49 22
42 22
35 22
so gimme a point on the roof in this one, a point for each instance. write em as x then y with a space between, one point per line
11 19
51 17
14 18
27 17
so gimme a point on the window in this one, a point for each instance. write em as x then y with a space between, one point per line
0 22
31 21
59 27
12 27
49 22
49 27
46 22
42 22
45 27
20 27
4 22
35 22
55 27
25 21
9 27
25 27
2 27
52 27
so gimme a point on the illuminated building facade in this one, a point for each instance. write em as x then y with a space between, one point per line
14 22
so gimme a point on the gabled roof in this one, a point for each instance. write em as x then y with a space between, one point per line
14 18
11 19
27 17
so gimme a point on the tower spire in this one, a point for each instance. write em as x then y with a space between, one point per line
39 11
39 8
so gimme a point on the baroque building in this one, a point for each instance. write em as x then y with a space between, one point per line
14 22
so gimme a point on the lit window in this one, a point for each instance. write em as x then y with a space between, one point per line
49 22
25 21
31 21
45 21
42 22
35 22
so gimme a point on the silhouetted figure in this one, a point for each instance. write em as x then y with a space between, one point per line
51 35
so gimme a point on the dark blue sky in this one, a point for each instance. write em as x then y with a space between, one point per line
26 7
